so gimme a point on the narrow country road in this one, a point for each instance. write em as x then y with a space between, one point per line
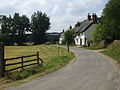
90 71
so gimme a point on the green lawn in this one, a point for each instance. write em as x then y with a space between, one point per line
49 54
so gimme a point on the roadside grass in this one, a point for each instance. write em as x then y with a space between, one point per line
92 47
51 62
113 51
66 45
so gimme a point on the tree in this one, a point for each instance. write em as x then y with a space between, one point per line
111 19
69 37
21 25
109 28
110 25
40 23
6 24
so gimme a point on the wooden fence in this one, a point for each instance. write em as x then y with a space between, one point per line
22 62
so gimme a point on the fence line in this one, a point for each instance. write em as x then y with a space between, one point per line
37 59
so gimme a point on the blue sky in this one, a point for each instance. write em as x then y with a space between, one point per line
62 13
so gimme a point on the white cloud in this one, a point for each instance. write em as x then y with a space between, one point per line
61 12
55 9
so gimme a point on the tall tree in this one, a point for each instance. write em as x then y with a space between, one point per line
109 27
40 23
111 17
20 27
6 24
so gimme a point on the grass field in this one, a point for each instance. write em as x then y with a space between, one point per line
49 54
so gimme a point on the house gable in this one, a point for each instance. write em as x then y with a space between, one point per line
89 32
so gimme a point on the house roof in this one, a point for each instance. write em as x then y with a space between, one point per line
62 35
84 26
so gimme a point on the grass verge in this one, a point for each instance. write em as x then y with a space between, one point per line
52 62
113 51
92 47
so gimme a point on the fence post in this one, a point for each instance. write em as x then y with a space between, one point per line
58 50
22 62
2 62
38 58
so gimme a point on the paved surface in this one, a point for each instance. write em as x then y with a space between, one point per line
90 71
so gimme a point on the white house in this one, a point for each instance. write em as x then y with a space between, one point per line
84 31
61 38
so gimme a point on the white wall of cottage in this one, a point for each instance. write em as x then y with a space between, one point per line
78 38
60 40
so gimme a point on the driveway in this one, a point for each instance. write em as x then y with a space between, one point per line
90 71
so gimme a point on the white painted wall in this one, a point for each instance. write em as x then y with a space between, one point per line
82 36
60 40
77 40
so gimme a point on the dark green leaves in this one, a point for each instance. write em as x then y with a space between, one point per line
109 28
69 36
40 23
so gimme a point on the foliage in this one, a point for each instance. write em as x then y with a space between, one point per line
111 19
40 23
21 26
109 27
100 34
69 37
5 29
14 29
5 38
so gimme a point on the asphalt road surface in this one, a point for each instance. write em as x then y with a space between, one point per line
90 71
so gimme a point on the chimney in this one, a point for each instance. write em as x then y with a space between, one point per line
94 17
70 27
89 17
63 31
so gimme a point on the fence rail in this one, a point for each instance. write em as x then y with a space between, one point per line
22 62
20 57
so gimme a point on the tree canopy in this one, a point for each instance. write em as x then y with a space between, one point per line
21 26
109 26
14 29
69 37
40 23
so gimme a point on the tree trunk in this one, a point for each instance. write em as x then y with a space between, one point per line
68 47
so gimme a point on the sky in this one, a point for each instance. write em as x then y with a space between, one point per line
62 13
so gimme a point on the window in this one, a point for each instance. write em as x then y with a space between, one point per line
81 34
77 40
